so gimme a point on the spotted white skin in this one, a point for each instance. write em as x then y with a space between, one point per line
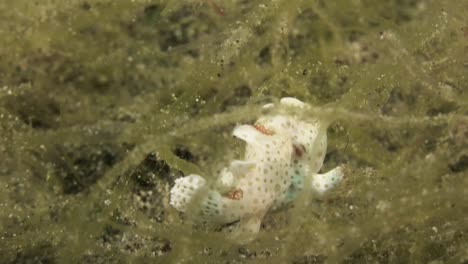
309 140
283 153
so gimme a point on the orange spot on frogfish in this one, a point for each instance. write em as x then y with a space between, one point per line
235 194
264 130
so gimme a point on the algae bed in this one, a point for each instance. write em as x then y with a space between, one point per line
103 104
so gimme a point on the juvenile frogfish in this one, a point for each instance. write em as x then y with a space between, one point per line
284 152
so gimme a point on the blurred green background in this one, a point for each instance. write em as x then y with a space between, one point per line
103 104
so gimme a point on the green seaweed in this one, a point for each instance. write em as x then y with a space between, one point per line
103 104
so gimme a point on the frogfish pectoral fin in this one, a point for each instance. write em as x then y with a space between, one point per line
247 229
327 181
184 190
190 193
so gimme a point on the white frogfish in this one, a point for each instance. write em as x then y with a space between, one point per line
283 153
